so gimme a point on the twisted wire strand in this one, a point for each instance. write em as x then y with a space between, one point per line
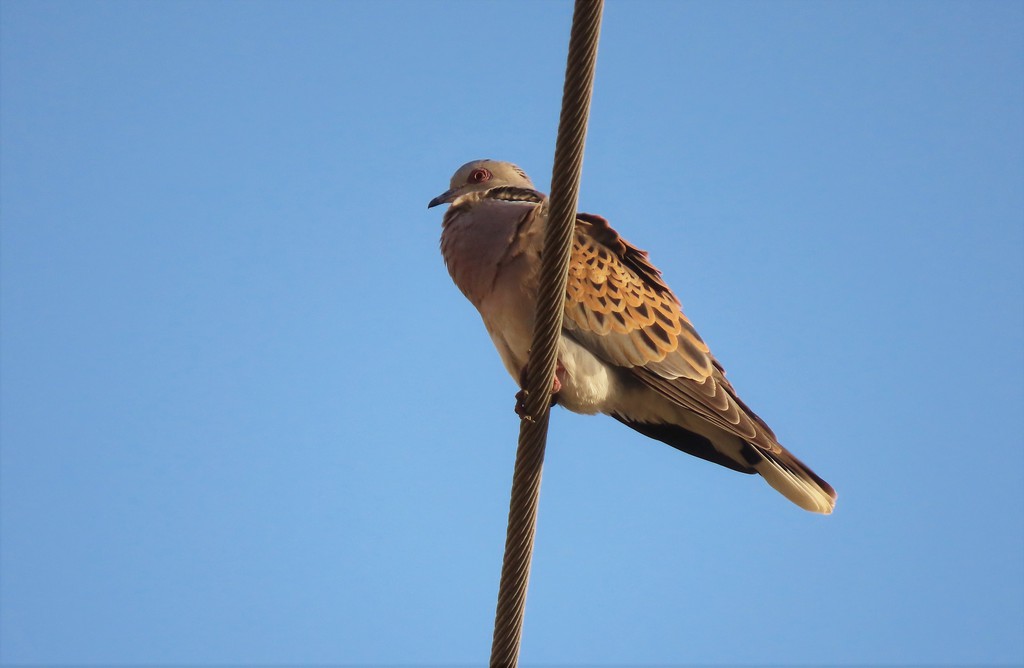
565 185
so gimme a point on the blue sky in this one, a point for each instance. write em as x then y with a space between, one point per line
247 418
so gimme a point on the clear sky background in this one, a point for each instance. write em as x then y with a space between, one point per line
247 418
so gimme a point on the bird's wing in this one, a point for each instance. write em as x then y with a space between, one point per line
618 306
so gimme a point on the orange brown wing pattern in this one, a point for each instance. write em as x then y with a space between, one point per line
617 304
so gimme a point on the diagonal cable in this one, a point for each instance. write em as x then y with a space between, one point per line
565 185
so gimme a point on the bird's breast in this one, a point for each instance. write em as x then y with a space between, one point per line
479 241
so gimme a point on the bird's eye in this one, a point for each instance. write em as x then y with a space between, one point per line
479 176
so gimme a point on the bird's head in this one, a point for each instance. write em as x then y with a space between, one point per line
481 175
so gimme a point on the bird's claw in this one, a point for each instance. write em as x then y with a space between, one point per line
556 387
521 406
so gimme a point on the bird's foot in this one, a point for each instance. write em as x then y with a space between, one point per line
556 387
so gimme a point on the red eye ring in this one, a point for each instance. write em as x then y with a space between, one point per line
479 176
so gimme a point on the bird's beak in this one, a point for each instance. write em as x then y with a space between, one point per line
444 198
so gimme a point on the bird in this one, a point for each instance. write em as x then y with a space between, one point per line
626 349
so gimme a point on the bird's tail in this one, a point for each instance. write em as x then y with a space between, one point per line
795 481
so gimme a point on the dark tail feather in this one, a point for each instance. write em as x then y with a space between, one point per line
687 441
787 474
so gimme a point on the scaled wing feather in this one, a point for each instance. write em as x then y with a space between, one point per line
619 307
617 304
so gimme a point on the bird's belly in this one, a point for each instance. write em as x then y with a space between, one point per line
591 385
587 381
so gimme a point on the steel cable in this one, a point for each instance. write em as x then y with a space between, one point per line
540 373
